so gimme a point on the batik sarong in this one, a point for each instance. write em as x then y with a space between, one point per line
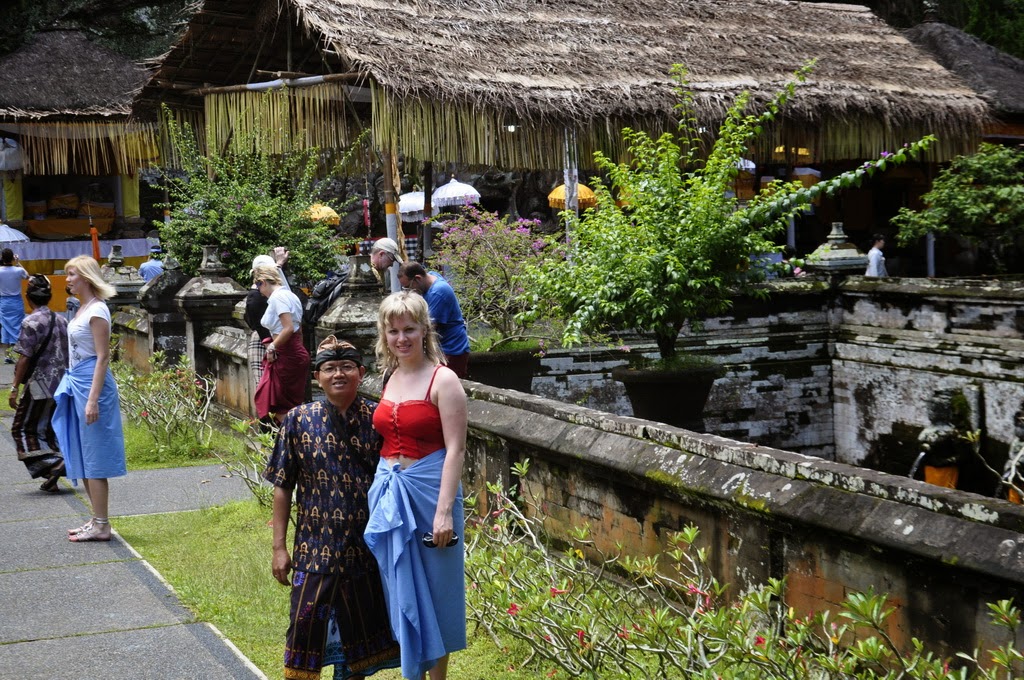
339 621
283 383
425 587
12 311
30 428
90 451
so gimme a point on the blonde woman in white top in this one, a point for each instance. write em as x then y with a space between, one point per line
87 418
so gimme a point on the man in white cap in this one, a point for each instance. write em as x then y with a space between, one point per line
384 254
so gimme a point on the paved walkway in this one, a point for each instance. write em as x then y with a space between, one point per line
98 610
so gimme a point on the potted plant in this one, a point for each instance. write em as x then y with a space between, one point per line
483 256
677 247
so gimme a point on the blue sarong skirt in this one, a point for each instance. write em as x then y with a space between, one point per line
425 587
90 451
12 311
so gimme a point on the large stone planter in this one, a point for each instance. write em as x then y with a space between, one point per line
510 370
674 396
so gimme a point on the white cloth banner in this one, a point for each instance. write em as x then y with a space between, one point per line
65 250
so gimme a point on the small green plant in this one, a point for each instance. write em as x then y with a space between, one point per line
979 197
171 401
582 613
251 461
667 242
246 201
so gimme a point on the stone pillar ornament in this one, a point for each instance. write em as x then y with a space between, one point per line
212 264
836 255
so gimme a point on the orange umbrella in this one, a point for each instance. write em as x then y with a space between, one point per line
318 212
584 197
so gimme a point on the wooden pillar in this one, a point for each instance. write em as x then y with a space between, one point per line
391 211
426 231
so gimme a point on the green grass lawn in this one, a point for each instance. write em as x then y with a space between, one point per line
218 561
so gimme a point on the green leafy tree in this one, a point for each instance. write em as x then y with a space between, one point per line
979 197
677 246
246 201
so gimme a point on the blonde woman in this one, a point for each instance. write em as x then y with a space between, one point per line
416 513
286 364
87 416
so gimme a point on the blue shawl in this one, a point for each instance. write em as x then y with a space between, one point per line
425 587
90 451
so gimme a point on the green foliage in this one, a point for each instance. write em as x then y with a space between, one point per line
584 613
251 461
172 402
677 246
246 201
486 256
979 197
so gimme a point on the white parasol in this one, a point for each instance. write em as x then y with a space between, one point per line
454 193
410 206
9 234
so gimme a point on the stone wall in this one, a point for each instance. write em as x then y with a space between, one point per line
901 342
828 528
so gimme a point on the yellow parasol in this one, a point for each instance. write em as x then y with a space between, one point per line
318 212
584 197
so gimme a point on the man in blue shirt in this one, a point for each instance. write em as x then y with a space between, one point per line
152 267
444 312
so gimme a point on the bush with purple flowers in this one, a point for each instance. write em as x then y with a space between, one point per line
484 256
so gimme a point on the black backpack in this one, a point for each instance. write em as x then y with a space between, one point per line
323 295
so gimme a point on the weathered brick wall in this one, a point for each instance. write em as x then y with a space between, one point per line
900 342
830 529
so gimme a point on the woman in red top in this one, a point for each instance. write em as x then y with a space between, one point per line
416 514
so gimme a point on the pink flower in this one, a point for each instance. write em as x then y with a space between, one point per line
144 414
514 609
759 641
580 635
555 592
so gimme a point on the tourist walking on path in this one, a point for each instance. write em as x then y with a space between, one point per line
87 417
286 365
43 346
12 308
416 513
876 260
326 454
445 313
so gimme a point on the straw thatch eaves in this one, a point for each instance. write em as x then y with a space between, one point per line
449 76
69 102
998 77
61 73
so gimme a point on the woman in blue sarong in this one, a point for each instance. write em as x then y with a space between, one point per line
12 307
416 513
87 416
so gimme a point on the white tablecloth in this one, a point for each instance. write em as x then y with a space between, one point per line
65 250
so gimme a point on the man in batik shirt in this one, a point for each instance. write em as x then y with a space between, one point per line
326 454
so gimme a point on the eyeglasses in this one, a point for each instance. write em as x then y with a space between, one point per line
338 368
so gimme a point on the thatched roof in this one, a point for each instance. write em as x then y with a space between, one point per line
996 76
449 76
61 73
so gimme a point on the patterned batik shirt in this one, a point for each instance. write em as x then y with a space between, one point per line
329 459
54 357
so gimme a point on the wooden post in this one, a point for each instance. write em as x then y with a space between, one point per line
426 237
391 211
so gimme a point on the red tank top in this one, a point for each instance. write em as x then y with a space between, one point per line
411 428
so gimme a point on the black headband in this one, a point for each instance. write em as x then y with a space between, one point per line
337 354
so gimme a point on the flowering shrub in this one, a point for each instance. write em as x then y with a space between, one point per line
172 402
249 465
485 256
668 618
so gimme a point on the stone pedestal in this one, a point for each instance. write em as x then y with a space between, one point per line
353 316
125 280
836 257
167 332
207 301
